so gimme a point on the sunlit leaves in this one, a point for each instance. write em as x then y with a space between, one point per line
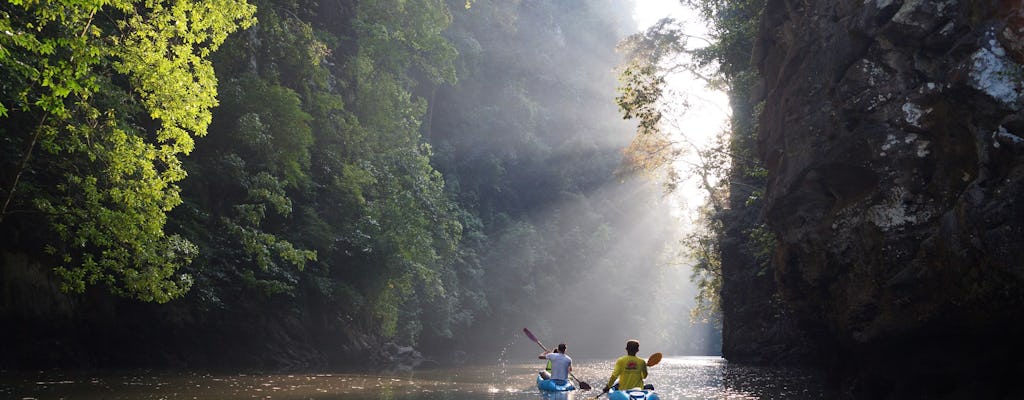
719 168
165 53
84 78
639 95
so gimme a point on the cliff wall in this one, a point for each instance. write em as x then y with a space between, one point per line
892 133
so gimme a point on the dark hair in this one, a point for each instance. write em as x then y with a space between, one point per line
632 346
561 348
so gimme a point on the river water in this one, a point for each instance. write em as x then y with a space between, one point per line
674 378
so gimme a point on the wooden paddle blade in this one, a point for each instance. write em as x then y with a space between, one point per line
654 359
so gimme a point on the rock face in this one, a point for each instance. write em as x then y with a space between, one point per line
893 133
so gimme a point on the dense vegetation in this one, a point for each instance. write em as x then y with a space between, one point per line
422 172
100 100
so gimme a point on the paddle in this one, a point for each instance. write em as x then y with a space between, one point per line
583 385
653 360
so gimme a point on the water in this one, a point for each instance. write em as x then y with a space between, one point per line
674 378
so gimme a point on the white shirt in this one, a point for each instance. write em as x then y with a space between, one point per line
559 365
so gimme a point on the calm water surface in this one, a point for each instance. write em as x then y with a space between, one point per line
674 378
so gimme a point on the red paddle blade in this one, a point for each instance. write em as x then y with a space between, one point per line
534 338
529 334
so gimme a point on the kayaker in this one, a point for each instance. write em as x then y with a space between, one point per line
559 364
630 370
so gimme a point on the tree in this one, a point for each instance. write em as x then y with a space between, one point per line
100 99
727 169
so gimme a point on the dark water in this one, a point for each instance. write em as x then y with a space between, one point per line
674 378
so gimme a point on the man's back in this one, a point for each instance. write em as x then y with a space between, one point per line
631 371
559 365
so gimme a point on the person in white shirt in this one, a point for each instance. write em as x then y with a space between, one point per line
559 364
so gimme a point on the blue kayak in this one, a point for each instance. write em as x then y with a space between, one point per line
633 394
554 385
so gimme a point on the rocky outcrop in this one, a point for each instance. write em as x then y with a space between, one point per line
892 132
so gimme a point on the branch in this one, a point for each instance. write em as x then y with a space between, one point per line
21 167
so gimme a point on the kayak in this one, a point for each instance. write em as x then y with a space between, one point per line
551 385
633 394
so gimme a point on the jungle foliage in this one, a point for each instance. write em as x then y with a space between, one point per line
100 100
405 170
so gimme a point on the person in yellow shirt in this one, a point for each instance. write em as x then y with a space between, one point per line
630 370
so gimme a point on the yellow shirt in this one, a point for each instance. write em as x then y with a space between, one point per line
631 371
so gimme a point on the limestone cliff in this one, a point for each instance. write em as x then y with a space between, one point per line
892 132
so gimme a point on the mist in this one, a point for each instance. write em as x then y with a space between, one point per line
532 140
636 285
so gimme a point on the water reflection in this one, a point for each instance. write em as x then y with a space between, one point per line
675 378
714 378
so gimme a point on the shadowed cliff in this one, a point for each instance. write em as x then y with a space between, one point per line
892 134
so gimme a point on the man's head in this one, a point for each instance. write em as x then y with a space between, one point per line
561 348
632 346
